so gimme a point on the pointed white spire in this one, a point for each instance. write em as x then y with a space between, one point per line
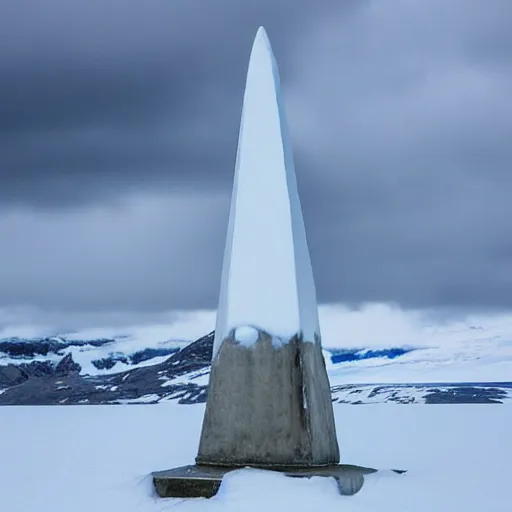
270 404
267 280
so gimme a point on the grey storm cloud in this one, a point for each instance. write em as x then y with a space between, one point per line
118 129
123 94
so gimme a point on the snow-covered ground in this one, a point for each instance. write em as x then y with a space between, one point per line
87 458
476 359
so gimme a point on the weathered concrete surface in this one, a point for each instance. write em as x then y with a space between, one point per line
204 481
269 406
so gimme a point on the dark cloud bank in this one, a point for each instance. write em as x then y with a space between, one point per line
118 127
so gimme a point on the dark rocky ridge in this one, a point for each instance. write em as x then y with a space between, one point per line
23 350
18 348
42 383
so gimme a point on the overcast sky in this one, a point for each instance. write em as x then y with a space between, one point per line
118 131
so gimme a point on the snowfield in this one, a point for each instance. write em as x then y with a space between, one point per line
99 458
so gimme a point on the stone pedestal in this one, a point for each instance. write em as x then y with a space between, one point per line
204 481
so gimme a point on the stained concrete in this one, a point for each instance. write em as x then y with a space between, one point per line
269 406
204 481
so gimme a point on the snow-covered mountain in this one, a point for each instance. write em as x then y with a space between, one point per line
475 366
96 356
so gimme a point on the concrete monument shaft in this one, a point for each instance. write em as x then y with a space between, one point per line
269 401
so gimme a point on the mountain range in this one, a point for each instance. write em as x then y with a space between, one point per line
68 370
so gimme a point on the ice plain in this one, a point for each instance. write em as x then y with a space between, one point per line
99 458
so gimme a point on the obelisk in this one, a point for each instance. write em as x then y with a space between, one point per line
269 401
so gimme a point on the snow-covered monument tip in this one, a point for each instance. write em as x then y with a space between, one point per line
269 401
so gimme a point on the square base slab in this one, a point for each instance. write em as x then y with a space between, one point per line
204 481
